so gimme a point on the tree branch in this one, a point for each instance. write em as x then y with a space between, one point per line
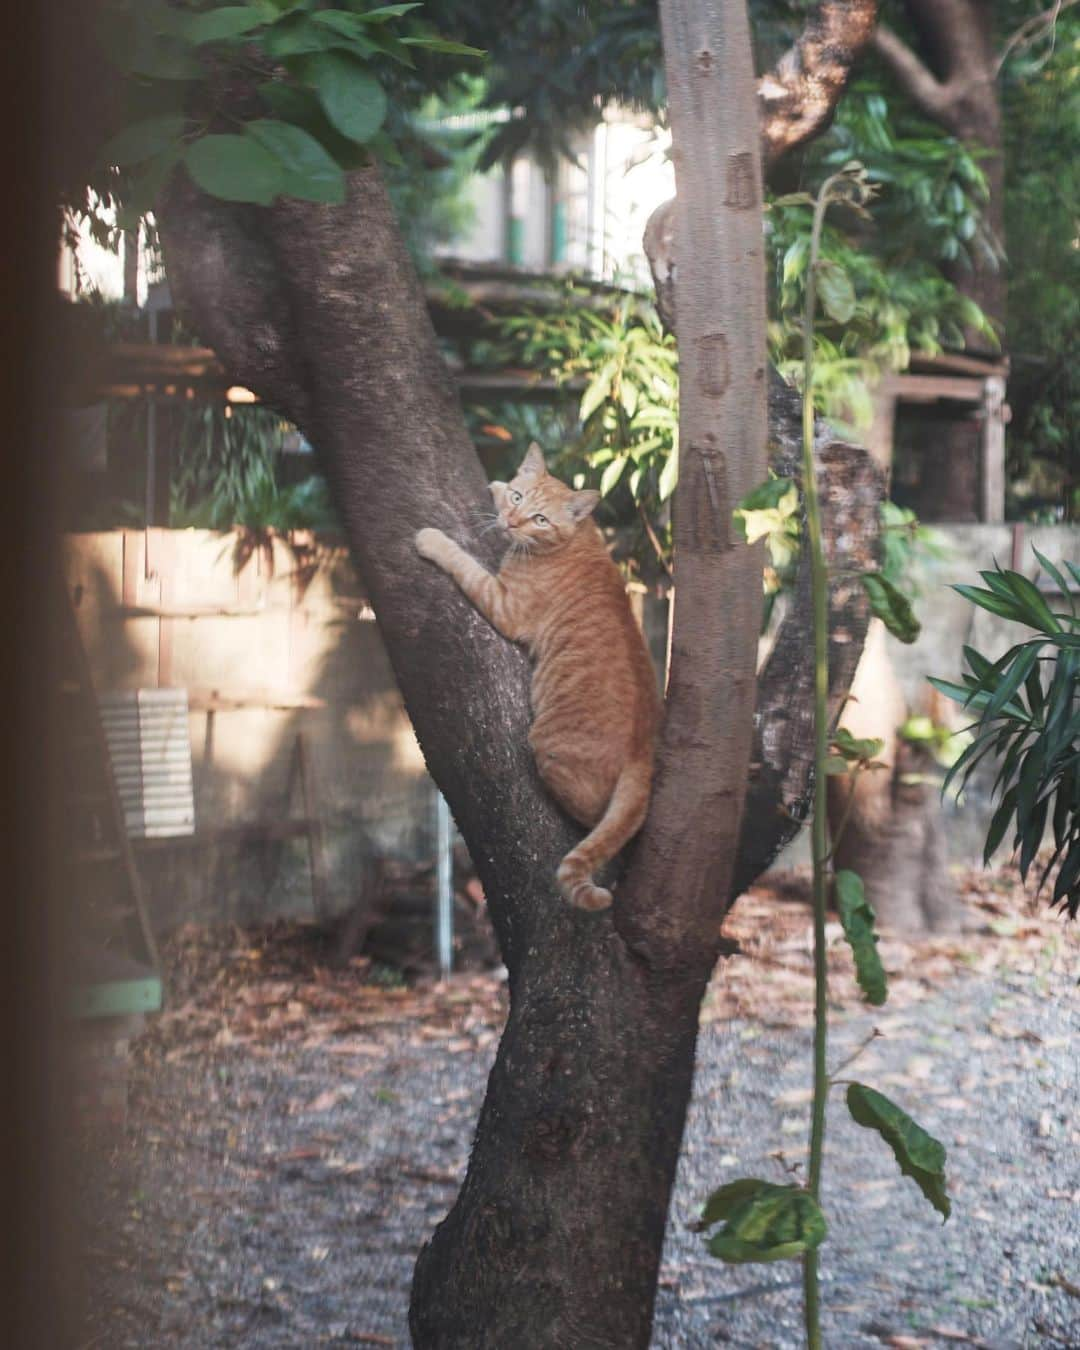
780 791
223 251
916 79
676 890
1029 32
780 786
797 99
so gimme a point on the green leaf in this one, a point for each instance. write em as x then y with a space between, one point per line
296 36
214 25
763 1222
920 1155
999 822
143 140
854 748
957 692
726 1198
598 391
1006 607
891 606
352 98
151 178
918 728
385 12
835 289
1032 601
857 920
434 44
1012 681
1055 575
795 259
235 168
611 475
348 27
669 475
161 57
309 171
383 145
768 495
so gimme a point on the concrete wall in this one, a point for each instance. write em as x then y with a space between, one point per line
280 641
282 644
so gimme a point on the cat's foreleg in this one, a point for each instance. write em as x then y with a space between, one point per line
485 591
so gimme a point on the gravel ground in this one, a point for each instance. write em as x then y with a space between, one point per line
294 1134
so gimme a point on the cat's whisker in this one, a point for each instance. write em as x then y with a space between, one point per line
486 529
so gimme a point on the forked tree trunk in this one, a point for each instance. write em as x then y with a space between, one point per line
556 1236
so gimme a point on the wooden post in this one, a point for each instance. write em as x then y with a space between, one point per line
883 430
992 476
316 843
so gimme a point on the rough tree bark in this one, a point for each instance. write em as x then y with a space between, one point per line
796 102
799 95
556 1236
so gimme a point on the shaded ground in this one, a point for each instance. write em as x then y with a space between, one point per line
295 1133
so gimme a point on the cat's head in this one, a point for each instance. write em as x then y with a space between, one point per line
539 512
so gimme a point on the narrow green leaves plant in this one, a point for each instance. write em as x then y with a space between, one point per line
1026 709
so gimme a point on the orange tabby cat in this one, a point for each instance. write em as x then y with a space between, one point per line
594 697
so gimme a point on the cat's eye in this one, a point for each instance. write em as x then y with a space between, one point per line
515 496
540 520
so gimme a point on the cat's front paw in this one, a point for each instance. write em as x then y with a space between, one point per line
430 543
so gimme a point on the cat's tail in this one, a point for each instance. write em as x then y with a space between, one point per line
624 816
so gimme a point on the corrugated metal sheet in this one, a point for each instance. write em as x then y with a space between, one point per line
150 748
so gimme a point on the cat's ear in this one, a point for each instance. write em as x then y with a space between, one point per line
583 503
533 463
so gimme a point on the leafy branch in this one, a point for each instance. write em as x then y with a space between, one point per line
257 101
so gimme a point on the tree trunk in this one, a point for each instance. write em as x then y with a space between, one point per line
888 823
559 1225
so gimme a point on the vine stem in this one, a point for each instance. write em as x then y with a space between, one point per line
820 828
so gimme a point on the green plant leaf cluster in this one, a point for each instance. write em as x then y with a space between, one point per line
629 408
225 475
920 1155
879 278
1028 720
852 754
315 76
762 1221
